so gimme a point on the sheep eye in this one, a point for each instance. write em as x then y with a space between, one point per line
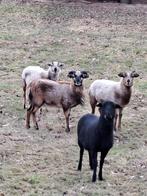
49 65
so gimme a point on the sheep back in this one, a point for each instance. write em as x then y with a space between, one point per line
110 90
59 94
31 73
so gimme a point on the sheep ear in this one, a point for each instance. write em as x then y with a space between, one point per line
61 65
49 64
101 101
118 106
99 105
134 74
71 74
84 74
122 74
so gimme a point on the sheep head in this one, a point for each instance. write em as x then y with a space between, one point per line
128 78
55 67
107 109
78 77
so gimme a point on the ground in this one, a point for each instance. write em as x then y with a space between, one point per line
102 38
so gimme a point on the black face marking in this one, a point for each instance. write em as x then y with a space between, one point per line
78 80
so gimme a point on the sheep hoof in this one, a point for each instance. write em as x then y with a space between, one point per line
27 126
78 169
67 130
101 179
117 138
93 179
36 127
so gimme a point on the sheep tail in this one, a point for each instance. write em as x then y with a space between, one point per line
30 96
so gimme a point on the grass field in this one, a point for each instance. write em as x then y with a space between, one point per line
102 38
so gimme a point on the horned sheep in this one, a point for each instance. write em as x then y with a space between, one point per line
65 95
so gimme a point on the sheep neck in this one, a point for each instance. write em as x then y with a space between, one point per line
78 93
126 94
123 95
52 77
78 90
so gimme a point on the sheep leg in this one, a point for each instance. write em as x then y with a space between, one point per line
29 112
24 97
94 165
117 126
81 158
119 119
67 114
93 104
24 94
39 114
27 100
115 121
103 155
90 161
34 117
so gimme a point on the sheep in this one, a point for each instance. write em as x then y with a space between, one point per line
31 73
117 92
60 94
95 134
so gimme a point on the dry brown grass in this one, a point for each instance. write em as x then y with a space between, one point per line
103 39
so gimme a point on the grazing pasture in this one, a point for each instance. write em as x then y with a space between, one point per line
101 38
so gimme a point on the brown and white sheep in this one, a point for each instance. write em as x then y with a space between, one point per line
64 95
31 73
117 92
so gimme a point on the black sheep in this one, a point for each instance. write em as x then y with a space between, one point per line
95 134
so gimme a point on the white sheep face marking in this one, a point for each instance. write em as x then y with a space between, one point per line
55 67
